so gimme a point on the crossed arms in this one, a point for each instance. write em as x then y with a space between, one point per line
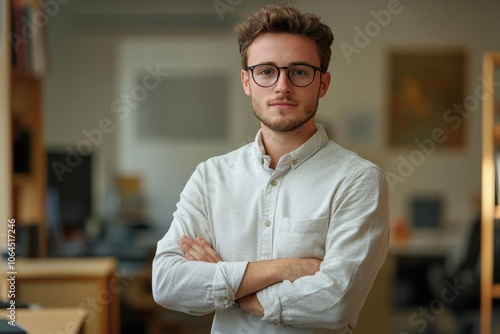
258 275
189 275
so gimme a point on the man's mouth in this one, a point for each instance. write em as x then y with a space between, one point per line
282 103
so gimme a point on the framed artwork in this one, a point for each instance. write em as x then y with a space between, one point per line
426 92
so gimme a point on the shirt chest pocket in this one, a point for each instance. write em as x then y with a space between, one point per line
301 238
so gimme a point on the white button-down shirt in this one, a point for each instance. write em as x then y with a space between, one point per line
322 201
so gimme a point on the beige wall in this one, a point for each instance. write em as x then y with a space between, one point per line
86 78
5 149
5 155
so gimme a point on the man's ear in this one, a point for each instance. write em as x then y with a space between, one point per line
245 81
325 83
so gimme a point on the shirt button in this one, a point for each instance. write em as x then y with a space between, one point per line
273 182
294 162
267 223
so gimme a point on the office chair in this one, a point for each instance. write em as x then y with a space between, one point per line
466 305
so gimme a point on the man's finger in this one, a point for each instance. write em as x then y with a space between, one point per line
206 246
196 251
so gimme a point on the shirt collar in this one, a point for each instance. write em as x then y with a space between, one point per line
298 156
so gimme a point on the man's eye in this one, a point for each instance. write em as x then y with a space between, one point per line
300 72
266 71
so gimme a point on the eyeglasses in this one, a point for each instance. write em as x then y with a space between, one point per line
300 75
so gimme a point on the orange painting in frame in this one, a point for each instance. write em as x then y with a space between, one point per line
427 97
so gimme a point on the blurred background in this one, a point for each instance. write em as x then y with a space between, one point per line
108 106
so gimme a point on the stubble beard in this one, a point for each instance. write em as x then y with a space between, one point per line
285 124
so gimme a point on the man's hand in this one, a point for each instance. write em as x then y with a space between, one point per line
198 250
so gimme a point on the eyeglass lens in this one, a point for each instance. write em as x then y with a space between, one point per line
266 75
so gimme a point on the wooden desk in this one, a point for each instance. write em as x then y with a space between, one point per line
86 283
56 320
411 261
426 243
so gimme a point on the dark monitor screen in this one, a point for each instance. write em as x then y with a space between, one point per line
71 177
426 212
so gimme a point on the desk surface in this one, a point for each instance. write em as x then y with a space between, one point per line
63 268
426 243
53 320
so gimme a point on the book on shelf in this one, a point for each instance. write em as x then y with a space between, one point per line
497 176
28 38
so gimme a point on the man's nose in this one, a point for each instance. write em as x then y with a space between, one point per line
283 85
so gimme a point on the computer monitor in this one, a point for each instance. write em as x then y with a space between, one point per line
426 212
73 183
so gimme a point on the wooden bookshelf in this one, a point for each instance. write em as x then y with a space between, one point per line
26 139
489 211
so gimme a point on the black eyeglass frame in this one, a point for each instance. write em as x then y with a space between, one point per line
279 68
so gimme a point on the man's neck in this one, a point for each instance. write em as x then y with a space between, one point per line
277 144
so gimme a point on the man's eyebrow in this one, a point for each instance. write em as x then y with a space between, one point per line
300 63
289 64
266 63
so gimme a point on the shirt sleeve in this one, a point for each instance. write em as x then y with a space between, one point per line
356 247
192 287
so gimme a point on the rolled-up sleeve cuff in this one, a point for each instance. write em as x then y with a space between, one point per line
270 301
227 279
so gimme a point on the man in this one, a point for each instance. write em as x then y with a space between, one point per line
286 234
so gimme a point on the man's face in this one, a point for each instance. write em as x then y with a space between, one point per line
284 107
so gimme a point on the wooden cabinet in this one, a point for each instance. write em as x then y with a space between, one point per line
26 161
90 284
490 212
29 164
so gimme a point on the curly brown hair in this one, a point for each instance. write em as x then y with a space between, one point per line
287 19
